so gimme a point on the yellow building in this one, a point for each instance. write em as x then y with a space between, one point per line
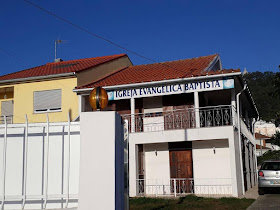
48 89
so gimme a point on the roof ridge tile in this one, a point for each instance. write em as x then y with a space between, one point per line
177 60
82 59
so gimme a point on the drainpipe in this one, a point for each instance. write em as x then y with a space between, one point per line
256 160
239 135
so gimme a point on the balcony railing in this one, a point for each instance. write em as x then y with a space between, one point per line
180 119
180 186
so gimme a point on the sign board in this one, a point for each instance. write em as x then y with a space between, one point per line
207 85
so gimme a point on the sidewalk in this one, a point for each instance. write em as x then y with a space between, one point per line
251 193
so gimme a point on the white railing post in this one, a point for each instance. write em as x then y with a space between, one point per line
196 106
46 166
156 188
4 163
175 190
233 105
68 163
132 112
25 162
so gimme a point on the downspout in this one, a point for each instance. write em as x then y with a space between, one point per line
239 135
256 160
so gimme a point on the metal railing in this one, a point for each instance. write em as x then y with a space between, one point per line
9 119
181 186
215 116
180 119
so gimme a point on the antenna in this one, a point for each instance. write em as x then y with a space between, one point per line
56 42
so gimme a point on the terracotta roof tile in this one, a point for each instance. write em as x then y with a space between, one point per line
61 67
159 71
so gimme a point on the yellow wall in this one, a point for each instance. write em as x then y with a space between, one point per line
23 100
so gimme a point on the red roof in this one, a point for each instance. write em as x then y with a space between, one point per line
159 71
61 67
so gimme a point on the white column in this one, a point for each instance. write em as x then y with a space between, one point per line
233 105
236 189
196 106
132 112
101 161
133 162
80 103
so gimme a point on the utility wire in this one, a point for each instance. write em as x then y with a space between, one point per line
95 35
13 56
87 31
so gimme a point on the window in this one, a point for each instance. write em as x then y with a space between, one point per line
47 101
7 109
271 166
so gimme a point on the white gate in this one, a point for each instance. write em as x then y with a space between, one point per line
39 165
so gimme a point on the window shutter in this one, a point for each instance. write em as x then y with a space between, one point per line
7 108
48 100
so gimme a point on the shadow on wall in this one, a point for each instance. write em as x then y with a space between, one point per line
207 144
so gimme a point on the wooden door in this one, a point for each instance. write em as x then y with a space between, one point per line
181 168
179 117
181 164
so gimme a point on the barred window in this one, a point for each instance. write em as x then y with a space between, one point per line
47 101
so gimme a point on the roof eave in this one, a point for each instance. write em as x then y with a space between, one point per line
36 78
159 82
99 64
213 63
250 95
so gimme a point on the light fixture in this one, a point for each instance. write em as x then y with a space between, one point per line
214 150
156 152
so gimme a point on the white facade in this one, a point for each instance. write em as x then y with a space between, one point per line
223 164
188 135
223 157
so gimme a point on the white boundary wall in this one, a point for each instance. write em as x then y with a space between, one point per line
42 168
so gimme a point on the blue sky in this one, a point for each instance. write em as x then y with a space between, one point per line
244 33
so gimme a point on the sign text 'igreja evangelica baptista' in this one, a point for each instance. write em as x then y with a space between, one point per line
207 85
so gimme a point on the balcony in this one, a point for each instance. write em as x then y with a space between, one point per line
180 119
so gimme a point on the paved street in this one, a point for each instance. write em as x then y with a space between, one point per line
266 202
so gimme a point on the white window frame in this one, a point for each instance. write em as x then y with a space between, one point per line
48 110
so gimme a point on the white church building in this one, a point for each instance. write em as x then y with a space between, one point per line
189 126
188 130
